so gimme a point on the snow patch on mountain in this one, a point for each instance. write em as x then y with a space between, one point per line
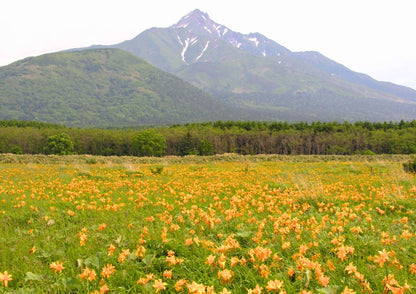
217 28
207 29
185 47
235 43
254 40
184 25
203 50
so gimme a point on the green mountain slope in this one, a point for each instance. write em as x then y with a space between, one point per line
257 73
102 87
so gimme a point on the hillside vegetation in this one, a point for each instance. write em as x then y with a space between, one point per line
257 73
103 87
212 138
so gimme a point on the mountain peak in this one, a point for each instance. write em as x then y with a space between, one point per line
195 17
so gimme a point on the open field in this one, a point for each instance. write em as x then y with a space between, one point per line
220 224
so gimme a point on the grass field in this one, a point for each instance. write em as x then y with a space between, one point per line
207 225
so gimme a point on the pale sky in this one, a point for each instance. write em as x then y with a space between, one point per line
375 37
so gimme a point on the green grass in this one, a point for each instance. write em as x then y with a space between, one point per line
231 206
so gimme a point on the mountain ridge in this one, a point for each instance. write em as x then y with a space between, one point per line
101 87
191 39
246 76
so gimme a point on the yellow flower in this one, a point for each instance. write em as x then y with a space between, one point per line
179 285
88 274
57 266
167 274
108 270
159 285
256 290
5 278
225 276
274 286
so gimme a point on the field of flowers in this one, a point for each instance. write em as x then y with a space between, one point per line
215 227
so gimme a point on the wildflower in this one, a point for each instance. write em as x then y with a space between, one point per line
264 271
330 265
382 258
144 281
32 250
195 288
111 250
57 266
5 278
348 291
323 280
290 272
406 235
167 274
104 289
123 255
390 284
256 290
225 276
211 260
350 269
413 268
356 230
274 286
88 274
102 227
108 270
188 242
221 260
234 261
159 285
285 245
179 285
82 239
224 291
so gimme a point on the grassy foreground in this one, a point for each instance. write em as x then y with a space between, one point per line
206 225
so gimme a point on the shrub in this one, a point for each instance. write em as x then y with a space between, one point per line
149 143
59 144
410 166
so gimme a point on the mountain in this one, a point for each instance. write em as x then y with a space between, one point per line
195 70
102 87
254 72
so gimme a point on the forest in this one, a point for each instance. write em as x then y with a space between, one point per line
219 137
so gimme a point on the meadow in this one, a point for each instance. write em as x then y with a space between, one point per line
221 224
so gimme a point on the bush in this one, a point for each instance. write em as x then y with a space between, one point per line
59 144
205 148
149 143
156 170
410 166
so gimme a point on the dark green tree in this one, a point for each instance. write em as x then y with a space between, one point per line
187 145
149 143
205 148
60 144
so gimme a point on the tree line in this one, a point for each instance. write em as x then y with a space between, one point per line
243 137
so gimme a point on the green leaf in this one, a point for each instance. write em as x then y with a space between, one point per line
329 290
32 277
243 234
92 261
69 283
147 260
24 291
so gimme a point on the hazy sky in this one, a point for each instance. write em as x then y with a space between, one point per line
376 37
